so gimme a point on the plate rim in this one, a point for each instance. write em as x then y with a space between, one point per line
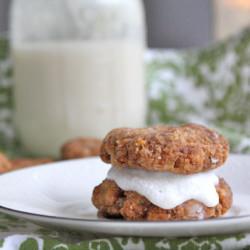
118 221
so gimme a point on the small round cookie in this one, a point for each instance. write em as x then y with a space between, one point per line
113 202
80 148
28 162
186 149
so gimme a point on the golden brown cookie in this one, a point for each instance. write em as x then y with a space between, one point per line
113 202
28 162
185 149
80 148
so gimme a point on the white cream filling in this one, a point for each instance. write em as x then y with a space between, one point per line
167 190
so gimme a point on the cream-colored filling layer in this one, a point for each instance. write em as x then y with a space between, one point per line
167 190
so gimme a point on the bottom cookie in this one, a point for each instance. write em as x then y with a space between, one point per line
113 202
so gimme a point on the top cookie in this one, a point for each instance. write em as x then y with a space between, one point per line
186 149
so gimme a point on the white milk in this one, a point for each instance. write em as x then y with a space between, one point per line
69 89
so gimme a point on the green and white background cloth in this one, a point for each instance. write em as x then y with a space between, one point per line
210 86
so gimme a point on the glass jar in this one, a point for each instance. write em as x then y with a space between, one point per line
78 69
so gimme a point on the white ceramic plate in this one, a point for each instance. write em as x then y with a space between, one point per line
59 194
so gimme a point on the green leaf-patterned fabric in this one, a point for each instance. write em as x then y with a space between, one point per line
210 86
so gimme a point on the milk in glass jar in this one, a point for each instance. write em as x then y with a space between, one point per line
78 69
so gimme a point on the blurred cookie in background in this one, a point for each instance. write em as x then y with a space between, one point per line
28 162
76 148
5 164
80 148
